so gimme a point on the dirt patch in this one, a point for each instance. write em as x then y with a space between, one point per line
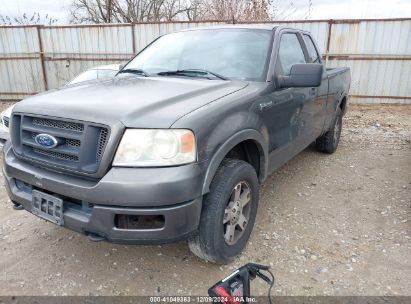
327 224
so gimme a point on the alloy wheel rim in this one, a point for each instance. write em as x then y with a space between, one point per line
237 213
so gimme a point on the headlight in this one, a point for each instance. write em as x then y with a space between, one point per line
155 148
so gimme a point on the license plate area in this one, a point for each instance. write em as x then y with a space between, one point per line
47 207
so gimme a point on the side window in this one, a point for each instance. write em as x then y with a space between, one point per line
312 52
290 52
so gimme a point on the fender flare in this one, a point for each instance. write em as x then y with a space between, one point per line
248 134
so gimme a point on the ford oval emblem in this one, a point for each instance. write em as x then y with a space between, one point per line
46 141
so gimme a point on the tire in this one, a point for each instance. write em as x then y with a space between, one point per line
328 142
214 240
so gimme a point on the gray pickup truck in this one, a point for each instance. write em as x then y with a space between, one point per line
175 146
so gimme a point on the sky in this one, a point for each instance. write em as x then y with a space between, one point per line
321 9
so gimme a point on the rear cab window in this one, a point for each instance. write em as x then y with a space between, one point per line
312 51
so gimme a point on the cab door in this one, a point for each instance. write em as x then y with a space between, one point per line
290 117
321 92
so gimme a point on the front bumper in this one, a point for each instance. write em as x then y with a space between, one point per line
90 207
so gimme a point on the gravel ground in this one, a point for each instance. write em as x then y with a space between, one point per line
327 224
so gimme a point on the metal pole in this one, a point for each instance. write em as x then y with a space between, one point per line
327 51
41 56
133 39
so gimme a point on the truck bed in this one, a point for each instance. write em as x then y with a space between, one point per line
339 80
335 71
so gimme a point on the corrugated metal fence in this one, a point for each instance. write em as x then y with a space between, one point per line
36 58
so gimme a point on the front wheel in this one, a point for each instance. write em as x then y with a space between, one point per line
228 213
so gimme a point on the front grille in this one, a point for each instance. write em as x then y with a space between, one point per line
101 143
58 155
6 121
73 142
80 145
65 125
69 141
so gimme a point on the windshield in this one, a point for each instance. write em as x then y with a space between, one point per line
94 74
231 53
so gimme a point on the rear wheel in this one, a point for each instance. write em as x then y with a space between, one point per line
228 214
328 142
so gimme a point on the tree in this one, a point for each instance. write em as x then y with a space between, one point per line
106 11
25 19
197 10
286 10
239 10
119 11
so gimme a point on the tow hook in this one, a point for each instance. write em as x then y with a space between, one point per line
17 206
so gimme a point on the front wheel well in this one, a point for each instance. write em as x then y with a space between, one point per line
249 152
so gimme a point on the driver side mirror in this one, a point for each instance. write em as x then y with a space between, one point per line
302 75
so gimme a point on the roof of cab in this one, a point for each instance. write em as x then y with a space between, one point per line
268 27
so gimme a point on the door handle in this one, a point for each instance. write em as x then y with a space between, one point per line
266 105
313 91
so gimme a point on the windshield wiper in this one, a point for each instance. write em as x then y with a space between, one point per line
134 71
191 73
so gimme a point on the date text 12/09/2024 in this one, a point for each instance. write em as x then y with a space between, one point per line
201 299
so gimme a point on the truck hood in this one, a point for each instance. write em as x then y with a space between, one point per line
138 102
